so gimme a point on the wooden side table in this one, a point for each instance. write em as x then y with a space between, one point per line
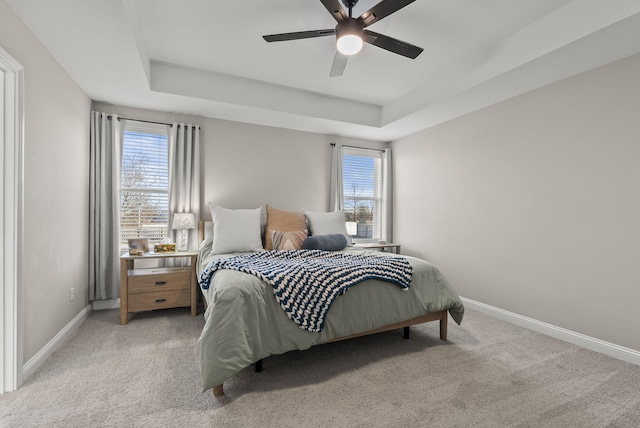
394 248
146 289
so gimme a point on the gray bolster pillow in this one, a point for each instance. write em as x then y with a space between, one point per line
333 242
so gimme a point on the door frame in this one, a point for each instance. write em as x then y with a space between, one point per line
11 220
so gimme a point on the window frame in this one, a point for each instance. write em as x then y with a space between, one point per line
378 201
150 129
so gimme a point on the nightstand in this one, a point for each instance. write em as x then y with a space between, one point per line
146 289
394 248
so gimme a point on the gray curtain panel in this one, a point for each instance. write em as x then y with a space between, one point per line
184 177
387 197
336 192
104 206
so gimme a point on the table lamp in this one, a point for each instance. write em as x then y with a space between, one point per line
182 222
352 229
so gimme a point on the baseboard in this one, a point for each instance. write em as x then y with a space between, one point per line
37 360
100 305
597 345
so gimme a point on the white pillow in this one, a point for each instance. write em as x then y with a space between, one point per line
235 230
328 223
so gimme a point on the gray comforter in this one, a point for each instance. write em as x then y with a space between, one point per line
244 323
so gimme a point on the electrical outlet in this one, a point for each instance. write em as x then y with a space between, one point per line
71 296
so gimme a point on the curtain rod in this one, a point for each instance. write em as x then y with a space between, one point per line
356 147
145 121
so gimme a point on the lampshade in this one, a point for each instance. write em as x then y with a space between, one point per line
352 228
183 221
349 37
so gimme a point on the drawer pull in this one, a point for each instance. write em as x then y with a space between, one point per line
161 300
159 283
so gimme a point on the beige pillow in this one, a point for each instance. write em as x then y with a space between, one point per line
283 221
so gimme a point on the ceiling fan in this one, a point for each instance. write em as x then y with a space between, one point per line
351 33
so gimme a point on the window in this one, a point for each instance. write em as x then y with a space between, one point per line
144 183
362 186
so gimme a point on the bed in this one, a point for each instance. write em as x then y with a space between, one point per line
245 324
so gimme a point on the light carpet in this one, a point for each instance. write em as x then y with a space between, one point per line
488 374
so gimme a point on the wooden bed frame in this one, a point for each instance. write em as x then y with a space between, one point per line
442 316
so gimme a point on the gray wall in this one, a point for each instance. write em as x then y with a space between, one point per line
530 205
246 166
533 205
56 190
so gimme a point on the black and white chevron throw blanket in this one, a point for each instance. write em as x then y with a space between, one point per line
306 282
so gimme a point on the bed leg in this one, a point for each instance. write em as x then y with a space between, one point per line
218 390
258 366
407 332
443 326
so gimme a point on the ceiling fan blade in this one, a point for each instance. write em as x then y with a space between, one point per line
334 8
382 10
393 45
299 35
339 63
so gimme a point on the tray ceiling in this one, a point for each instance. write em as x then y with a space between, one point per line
208 58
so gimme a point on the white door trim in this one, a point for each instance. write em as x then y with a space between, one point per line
11 220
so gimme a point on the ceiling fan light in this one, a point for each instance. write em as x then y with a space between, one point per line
349 44
349 37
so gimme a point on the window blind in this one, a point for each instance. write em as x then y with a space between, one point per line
362 184
144 186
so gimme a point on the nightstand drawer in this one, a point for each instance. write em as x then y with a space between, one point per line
159 279
159 300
